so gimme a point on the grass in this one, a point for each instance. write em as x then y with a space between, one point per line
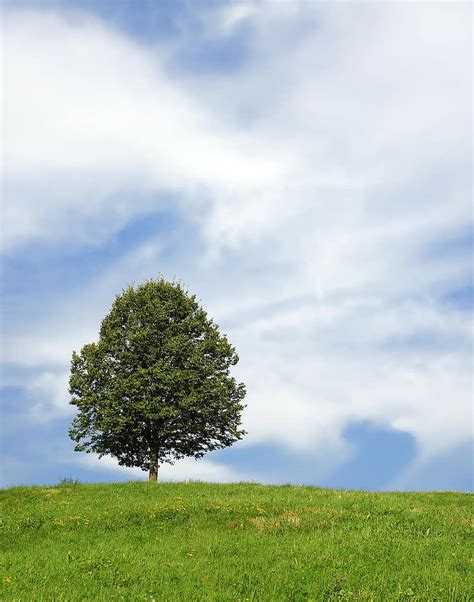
199 541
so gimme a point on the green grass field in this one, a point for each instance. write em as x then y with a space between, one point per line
199 541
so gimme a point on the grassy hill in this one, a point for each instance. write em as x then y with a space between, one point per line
199 541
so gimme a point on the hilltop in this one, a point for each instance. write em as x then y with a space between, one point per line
199 541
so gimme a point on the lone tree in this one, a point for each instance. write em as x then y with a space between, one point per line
156 386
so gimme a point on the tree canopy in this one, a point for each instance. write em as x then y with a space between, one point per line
156 386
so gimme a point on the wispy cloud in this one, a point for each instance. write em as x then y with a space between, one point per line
187 468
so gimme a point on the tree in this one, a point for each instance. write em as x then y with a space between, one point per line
156 386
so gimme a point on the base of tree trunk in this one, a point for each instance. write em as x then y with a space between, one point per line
153 475
153 466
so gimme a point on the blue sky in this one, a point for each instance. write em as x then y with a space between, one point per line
304 168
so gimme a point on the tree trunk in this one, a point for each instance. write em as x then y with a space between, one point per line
153 474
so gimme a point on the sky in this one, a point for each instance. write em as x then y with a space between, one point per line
304 168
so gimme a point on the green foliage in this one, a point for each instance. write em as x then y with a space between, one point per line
156 386
198 541
68 482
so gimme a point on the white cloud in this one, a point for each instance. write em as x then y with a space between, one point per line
182 470
97 128
231 16
316 177
49 395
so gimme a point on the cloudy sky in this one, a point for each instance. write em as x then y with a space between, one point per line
304 168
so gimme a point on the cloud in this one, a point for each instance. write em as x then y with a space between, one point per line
311 186
49 394
185 469
99 128
231 16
